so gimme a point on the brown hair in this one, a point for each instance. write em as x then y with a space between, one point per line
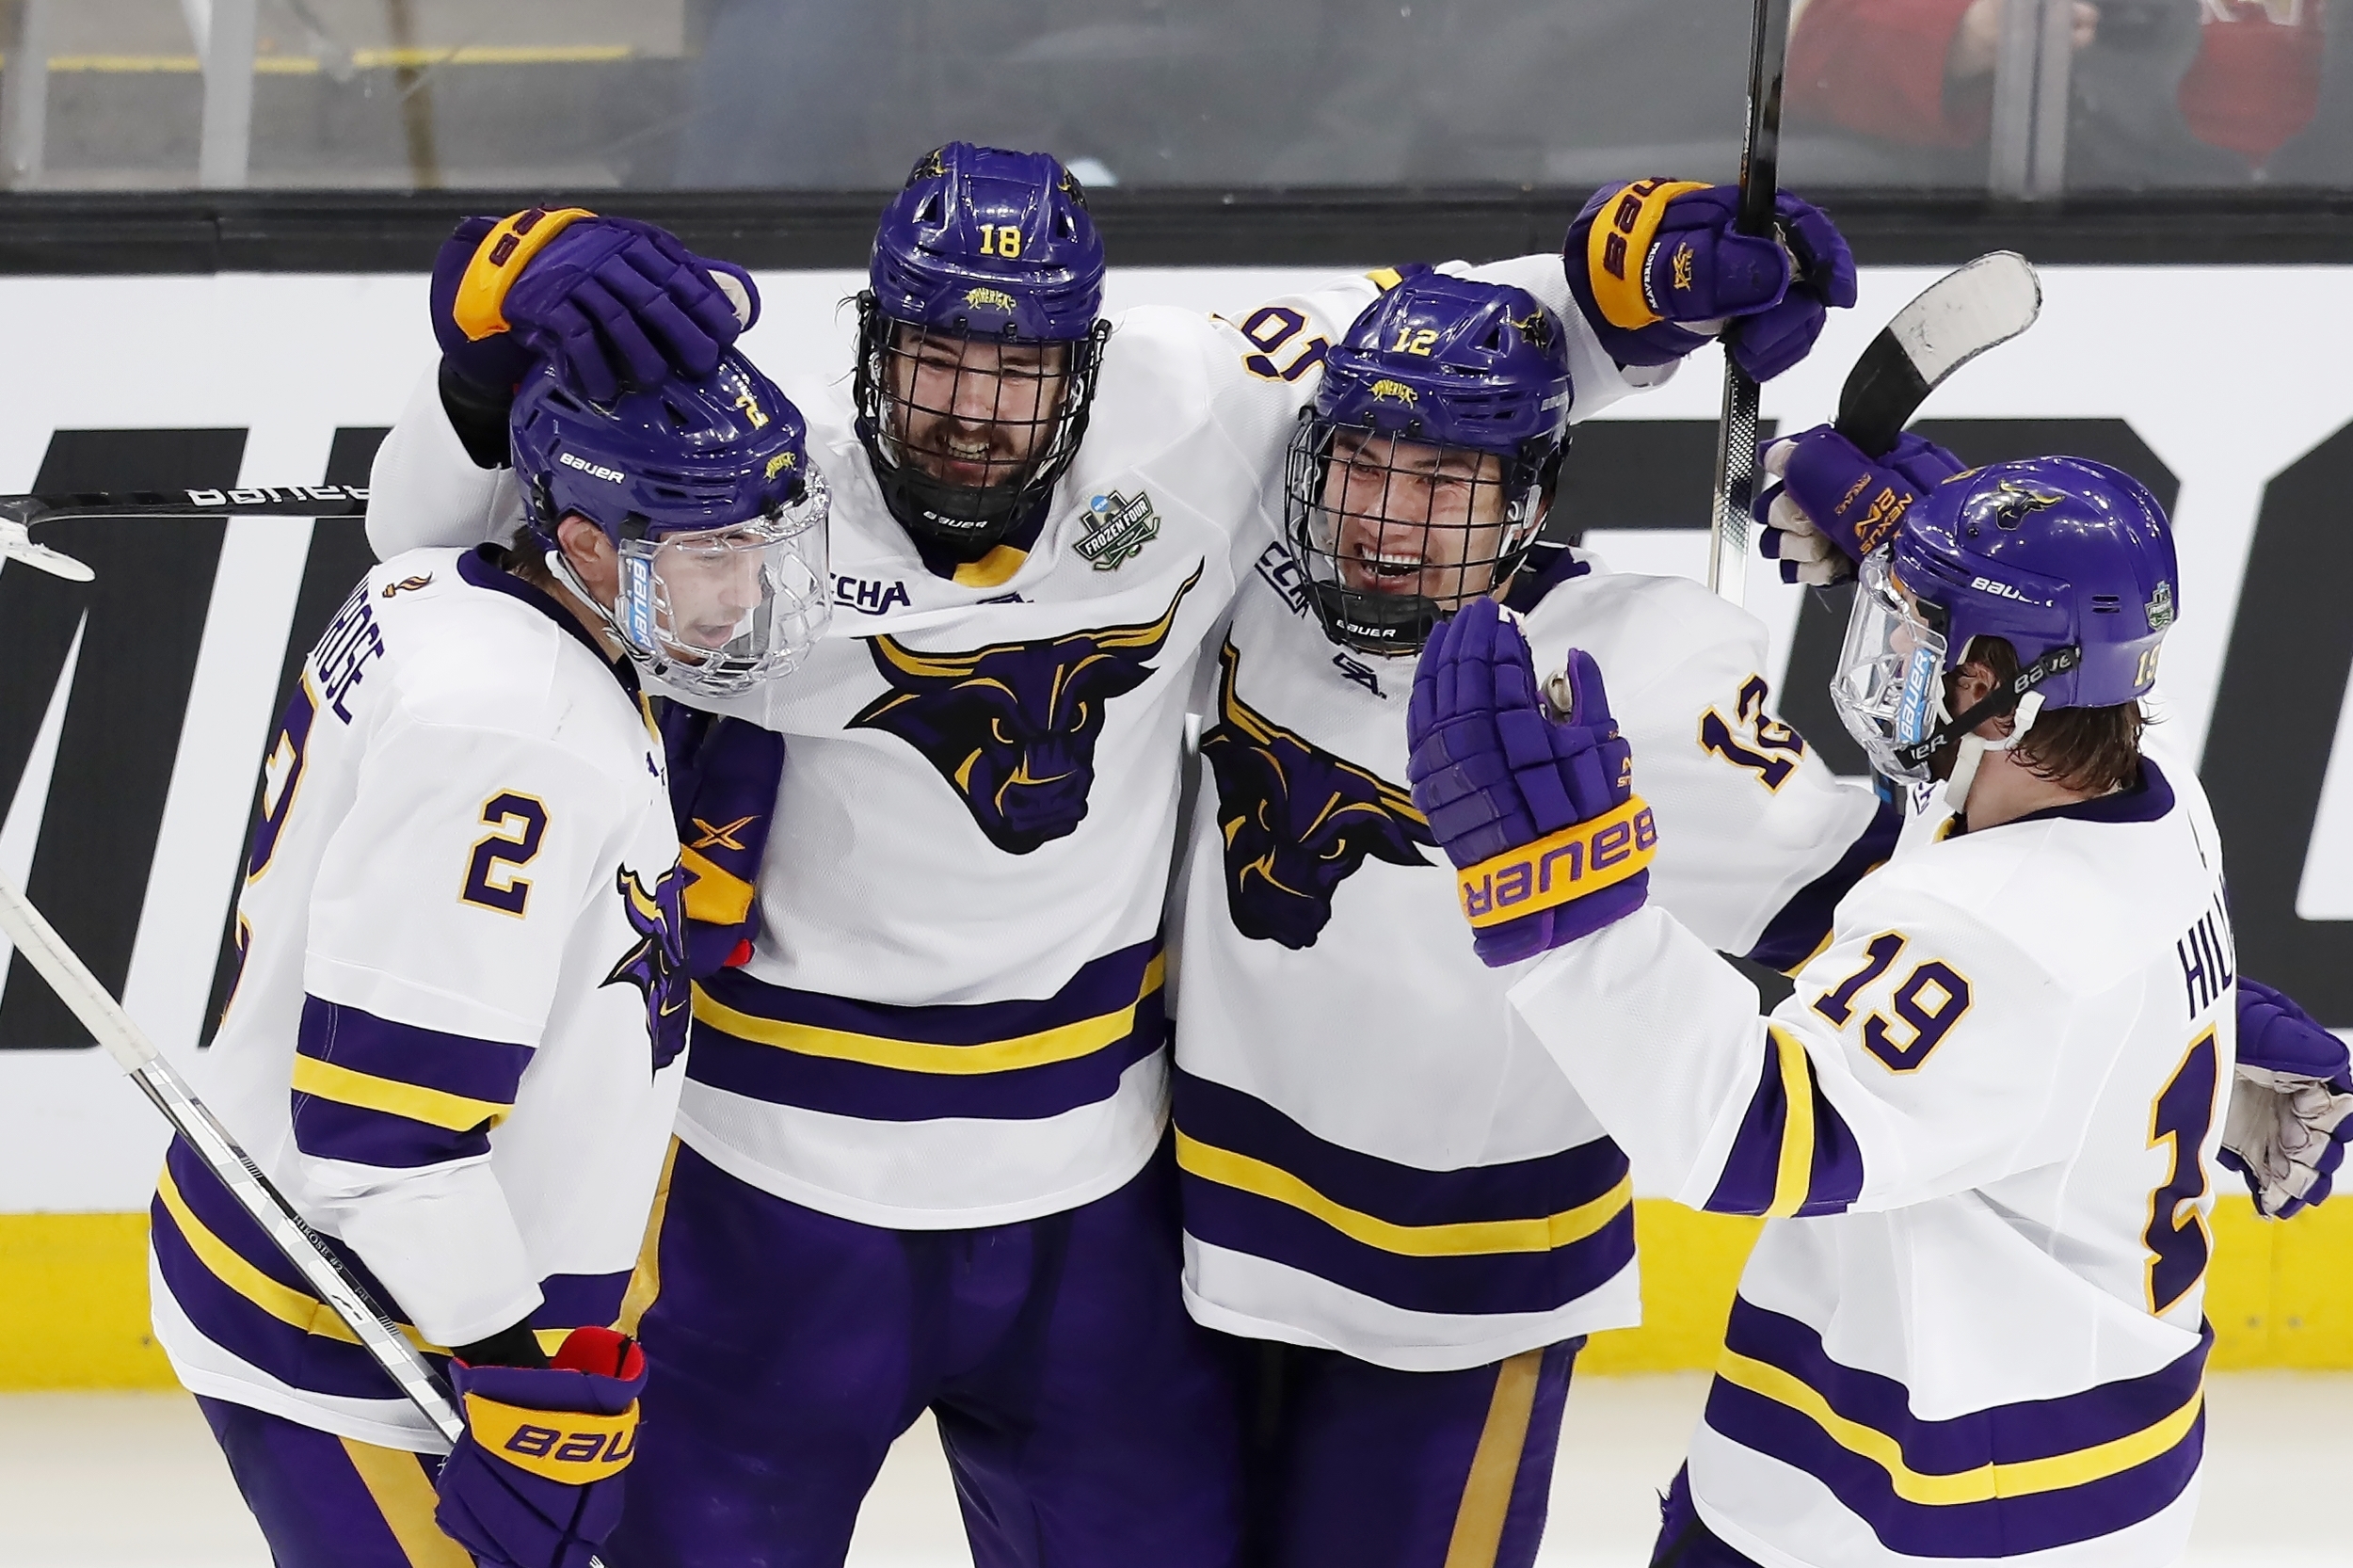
526 560
2091 750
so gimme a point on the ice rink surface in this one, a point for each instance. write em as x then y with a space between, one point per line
133 1481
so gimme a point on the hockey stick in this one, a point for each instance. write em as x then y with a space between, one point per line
1976 306
18 513
114 1028
1735 427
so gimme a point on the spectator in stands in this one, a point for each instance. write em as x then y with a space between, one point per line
2163 91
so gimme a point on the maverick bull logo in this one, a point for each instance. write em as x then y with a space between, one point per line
1013 727
656 963
1298 821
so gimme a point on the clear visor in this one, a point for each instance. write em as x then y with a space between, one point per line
1890 685
716 611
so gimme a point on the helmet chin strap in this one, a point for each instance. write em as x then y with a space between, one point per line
560 568
1973 746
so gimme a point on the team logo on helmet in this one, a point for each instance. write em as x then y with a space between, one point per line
1117 529
781 461
989 299
656 964
1298 821
1537 329
2009 504
1012 728
2160 607
1385 390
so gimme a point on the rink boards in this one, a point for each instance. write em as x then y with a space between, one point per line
133 719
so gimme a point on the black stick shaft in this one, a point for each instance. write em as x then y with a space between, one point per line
1736 426
257 501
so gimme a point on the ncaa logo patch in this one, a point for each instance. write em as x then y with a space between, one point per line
1117 529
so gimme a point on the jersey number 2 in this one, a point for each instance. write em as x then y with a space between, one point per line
490 880
2177 1238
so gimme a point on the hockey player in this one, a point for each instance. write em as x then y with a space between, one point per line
1984 1120
452 1042
918 1135
1377 1175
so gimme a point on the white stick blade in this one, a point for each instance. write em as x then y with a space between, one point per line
1966 312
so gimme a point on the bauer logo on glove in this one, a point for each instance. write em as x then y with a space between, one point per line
1568 864
1530 793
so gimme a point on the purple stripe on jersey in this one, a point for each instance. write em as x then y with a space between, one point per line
1547 566
291 1354
1752 1166
315 1363
329 1129
875 1093
381 1047
1226 1118
2150 798
2000 1434
1105 985
1468 1284
1792 936
1108 985
1996 1528
486 1070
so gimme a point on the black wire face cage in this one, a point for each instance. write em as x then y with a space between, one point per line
1395 534
968 433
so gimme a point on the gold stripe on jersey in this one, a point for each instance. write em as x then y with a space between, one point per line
991 569
1794 1174
1062 1043
397 1485
281 1301
2017 1479
1460 1239
299 1308
330 1081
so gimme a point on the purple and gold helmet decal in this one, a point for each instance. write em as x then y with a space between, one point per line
656 962
1012 727
1298 821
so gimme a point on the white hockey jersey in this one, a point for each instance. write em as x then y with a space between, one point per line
953 1013
459 999
1373 1160
1987 1116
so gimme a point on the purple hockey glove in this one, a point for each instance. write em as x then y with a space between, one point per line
613 301
2291 1103
536 1482
1538 813
1831 505
1651 261
723 793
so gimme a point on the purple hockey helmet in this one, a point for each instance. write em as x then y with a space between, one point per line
707 492
1416 479
2070 561
980 336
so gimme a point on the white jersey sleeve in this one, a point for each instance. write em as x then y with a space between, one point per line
425 491
1758 839
440 921
1922 1054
